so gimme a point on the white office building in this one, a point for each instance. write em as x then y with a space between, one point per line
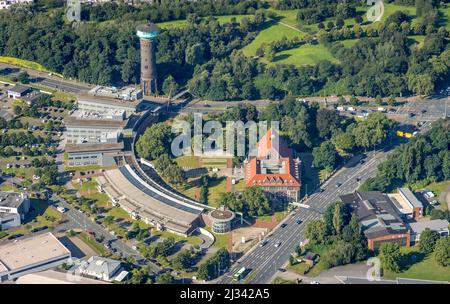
13 207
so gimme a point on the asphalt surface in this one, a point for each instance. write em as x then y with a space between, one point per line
46 80
263 262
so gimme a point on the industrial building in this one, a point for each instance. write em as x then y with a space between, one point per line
128 93
440 226
378 218
18 91
93 154
13 208
102 104
147 34
407 204
274 168
30 255
127 190
95 127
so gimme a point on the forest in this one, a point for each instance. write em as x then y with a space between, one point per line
206 55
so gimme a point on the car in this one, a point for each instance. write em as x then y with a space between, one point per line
338 185
321 190
298 222
278 244
283 225
39 229
263 243
358 179
16 236
281 270
314 282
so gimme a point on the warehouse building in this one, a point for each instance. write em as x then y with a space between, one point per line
378 218
18 91
440 226
93 154
31 255
101 104
407 204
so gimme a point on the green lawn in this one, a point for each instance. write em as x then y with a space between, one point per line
391 8
193 240
93 244
217 187
426 269
282 281
84 186
306 54
187 161
183 23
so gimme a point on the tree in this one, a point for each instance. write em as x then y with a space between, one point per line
325 156
327 122
359 19
428 239
344 142
23 77
338 218
390 256
170 86
442 251
164 278
340 23
315 232
154 142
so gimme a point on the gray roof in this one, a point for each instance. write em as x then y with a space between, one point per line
411 198
435 225
11 199
97 147
20 89
101 265
148 27
376 213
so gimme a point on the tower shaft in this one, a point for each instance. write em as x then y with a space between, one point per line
148 67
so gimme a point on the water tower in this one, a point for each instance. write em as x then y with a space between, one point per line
147 34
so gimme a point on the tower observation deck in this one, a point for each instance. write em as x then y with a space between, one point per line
147 34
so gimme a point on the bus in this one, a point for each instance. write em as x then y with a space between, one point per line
238 275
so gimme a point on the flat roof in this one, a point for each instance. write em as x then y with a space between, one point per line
11 199
76 121
222 215
107 100
19 89
435 225
139 195
100 147
56 277
32 250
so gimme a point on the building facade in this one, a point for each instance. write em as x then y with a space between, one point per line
13 208
274 168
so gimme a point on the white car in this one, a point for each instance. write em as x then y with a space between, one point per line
278 244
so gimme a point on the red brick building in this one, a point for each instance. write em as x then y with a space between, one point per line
274 168
378 218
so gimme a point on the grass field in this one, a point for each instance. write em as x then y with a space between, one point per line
24 63
425 269
187 161
220 19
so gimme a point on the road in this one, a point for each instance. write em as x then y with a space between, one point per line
264 262
48 81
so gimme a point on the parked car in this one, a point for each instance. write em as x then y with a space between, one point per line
298 222
283 225
278 244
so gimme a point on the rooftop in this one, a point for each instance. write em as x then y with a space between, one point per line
147 27
224 214
11 199
93 121
106 100
32 250
411 198
20 89
100 147
100 265
376 213
435 225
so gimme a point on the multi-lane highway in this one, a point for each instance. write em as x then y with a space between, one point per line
264 262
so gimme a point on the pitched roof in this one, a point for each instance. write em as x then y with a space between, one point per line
273 165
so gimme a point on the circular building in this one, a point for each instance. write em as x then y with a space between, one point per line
221 220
